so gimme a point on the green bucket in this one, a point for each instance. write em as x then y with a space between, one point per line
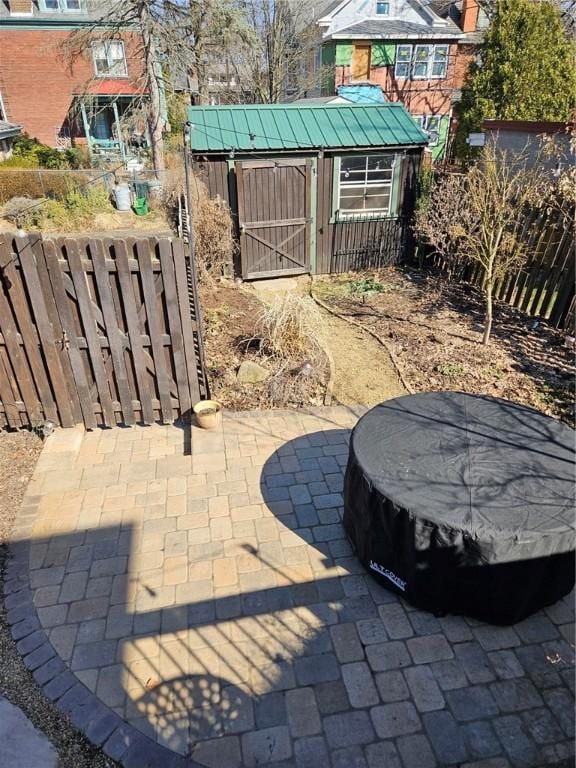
141 206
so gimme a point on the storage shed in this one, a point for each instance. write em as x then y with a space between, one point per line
313 188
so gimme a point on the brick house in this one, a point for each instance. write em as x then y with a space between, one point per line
418 55
59 105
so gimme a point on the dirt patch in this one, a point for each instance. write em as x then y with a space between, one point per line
19 452
364 373
434 329
232 334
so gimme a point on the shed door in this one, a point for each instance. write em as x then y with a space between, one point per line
360 69
274 216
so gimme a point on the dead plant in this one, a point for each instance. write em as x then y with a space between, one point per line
214 239
291 335
293 328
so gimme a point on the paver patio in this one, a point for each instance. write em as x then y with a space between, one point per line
194 591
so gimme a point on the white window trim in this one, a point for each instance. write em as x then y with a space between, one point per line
444 61
423 120
62 8
409 62
428 62
110 75
368 213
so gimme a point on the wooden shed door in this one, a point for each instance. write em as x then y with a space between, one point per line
360 69
274 216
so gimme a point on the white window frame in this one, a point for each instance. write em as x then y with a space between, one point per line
365 184
429 59
110 62
424 121
377 3
408 62
436 60
432 59
61 7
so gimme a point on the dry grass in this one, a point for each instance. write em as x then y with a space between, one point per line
292 327
291 336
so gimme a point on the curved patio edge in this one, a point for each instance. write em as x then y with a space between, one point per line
101 725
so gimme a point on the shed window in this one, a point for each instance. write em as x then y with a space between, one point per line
365 185
403 61
109 58
382 8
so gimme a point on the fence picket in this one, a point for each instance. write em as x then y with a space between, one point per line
76 362
112 330
46 332
167 262
134 331
89 323
150 302
37 244
188 325
19 363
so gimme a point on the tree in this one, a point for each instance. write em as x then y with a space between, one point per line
475 217
278 60
525 71
217 27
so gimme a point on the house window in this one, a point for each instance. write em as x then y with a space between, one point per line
365 186
61 6
427 61
422 61
431 124
382 8
109 58
440 61
403 61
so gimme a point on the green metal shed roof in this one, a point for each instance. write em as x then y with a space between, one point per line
262 127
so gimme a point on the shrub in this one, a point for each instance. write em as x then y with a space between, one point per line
13 209
30 153
75 211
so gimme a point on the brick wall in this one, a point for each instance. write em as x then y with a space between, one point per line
37 86
418 96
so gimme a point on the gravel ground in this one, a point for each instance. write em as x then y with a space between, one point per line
18 454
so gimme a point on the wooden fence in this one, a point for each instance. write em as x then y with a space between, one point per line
97 331
544 286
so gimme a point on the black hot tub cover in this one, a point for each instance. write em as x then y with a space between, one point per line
463 504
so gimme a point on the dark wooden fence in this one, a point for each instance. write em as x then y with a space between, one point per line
97 331
544 286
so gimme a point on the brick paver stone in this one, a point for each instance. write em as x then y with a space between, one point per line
269 745
391 720
424 689
347 643
359 683
303 715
